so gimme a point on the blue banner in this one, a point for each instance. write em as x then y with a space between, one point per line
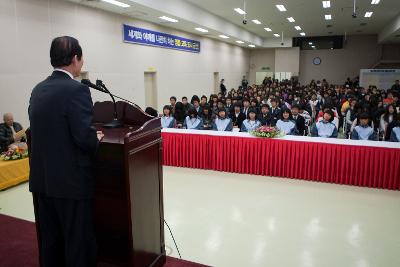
153 38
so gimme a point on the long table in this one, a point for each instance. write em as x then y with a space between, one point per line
13 172
341 161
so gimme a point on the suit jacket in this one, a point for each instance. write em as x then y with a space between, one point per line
6 135
237 121
300 124
63 142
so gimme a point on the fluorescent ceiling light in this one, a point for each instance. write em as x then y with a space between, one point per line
117 3
328 17
326 4
368 14
224 36
201 30
168 19
313 46
240 11
268 29
256 21
251 45
375 2
291 19
240 42
281 8
303 34
310 43
276 35
297 28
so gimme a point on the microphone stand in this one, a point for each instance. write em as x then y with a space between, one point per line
102 85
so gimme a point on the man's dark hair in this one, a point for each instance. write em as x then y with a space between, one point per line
183 98
172 97
62 51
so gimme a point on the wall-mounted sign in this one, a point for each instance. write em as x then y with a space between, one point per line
159 39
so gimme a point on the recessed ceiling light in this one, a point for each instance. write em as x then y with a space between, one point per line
297 28
224 36
251 45
276 35
310 43
375 2
240 11
368 14
256 21
326 4
117 3
313 46
303 34
331 48
240 42
268 29
291 19
328 17
168 19
201 30
281 8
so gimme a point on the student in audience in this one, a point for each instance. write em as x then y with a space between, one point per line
222 122
386 119
229 105
193 121
222 87
186 104
8 132
203 101
286 123
251 123
351 115
179 115
265 116
325 127
254 105
196 105
237 116
275 111
299 120
167 120
245 83
315 105
246 106
172 101
207 118
364 130
395 134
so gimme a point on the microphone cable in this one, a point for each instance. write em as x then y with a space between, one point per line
173 238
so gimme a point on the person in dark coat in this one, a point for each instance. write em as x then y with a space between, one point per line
222 87
299 120
62 147
8 132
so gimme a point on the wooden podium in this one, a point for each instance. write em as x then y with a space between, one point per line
129 188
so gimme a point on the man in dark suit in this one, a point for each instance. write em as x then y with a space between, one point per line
300 121
8 132
63 144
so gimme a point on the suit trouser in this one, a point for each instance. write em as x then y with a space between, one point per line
66 231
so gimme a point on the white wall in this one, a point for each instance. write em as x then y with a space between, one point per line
28 26
359 52
287 60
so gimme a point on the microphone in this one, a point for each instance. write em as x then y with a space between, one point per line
115 123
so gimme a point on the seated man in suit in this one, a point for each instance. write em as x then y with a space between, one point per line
10 132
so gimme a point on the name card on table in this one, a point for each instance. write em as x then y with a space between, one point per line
152 38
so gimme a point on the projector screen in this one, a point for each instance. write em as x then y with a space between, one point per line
381 78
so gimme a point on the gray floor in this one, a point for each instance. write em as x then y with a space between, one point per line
225 219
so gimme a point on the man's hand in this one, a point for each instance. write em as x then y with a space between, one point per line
100 135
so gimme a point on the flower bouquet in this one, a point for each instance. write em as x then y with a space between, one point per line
14 154
267 132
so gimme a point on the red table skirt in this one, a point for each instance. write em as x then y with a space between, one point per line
331 163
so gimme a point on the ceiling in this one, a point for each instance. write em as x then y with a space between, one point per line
309 15
219 17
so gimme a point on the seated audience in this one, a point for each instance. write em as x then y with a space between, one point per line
299 120
172 101
222 122
286 123
179 115
265 116
251 123
186 104
193 121
386 119
207 118
395 134
364 130
275 111
237 116
167 120
10 133
325 127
